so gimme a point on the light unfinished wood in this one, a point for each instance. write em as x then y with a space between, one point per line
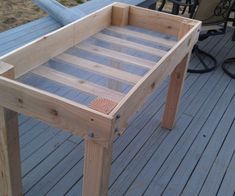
53 109
129 44
40 51
144 36
139 93
116 55
156 21
120 14
10 170
98 68
77 83
176 85
97 168
103 105
86 27
110 115
6 70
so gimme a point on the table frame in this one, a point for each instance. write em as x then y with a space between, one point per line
98 129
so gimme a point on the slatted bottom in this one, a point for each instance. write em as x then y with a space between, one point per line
105 66
196 158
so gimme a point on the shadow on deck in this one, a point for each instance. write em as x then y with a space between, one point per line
197 157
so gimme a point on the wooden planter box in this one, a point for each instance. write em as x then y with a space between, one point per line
124 36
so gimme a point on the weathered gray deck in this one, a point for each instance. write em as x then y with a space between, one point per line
196 158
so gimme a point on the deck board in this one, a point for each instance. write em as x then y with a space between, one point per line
147 160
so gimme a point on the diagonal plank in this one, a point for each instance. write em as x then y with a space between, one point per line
77 83
116 55
130 44
103 70
145 36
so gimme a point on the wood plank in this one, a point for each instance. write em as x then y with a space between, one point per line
53 109
100 69
130 44
144 36
116 55
78 83
10 178
97 167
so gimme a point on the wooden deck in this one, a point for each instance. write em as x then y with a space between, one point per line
196 158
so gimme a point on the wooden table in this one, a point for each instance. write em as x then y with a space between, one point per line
125 36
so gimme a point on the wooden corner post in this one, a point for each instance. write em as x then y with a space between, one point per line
97 167
98 154
176 84
120 14
10 171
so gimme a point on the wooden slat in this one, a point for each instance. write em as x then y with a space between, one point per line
140 35
99 68
77 83
53 109
116 55
130 44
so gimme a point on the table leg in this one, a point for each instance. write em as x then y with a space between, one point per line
10 170
10 178
96 169
174 93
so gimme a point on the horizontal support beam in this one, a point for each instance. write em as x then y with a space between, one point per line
55 110
79 84
101 69
129 44
116 55
143 36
